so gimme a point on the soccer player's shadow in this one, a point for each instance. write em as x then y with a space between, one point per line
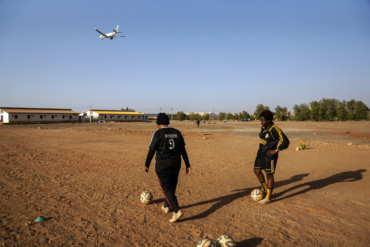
350 176
293 179
224 200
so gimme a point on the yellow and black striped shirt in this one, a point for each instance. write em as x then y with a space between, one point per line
272 136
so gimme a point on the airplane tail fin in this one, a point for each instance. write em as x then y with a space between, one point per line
117 28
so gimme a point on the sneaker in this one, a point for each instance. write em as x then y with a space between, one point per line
166 210
264 201
176 216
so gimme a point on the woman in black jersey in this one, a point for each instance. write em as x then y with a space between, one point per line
267 154
170 146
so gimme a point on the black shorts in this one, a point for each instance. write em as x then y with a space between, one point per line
266 163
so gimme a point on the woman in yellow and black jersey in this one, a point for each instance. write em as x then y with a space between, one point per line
267 154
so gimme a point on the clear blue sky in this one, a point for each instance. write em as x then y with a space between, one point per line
194 55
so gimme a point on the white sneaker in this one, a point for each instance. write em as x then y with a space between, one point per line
166 210
176 216
264 201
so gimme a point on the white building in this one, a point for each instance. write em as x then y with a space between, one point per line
200 113
14 115
112 115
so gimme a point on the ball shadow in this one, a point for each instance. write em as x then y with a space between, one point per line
252 242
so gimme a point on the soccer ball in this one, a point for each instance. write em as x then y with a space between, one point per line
205 243
257 195
225 241
146 197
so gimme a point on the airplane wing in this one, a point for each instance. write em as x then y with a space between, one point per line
119 36
101 33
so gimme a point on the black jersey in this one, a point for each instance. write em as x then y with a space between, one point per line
270 139
169 145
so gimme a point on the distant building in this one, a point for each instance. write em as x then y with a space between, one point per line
151 116
200 113
14 115
112 115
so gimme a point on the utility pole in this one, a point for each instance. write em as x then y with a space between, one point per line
171 114
90 113
213 118
160 110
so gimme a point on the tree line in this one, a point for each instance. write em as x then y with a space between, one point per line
331 110
208 116
323 110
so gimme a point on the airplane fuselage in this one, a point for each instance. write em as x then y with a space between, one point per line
108 35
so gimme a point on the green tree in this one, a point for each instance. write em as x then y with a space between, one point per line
229 116
301 112
259 109
278 114
127 109
328 109
361 111
221 116
205 116
323 110
332 109
297 112
198 116
281 113
192 116
342 114
351 107
181 116
244 115
314 113
285 114
305 112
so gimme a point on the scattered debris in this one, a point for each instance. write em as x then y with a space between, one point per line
41 219
302 146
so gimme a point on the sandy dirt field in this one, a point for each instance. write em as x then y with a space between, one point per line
87 180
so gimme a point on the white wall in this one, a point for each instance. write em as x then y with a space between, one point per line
111 117
5 117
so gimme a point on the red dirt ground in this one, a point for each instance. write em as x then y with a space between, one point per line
87 179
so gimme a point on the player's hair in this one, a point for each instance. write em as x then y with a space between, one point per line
162 119
268 115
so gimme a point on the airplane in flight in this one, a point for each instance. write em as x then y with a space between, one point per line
110 35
